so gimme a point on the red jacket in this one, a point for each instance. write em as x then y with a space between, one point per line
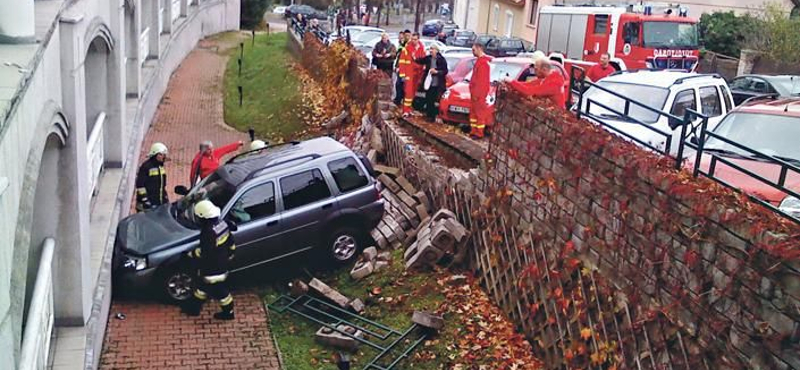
480 82
208 163
551 87
597 72
410 53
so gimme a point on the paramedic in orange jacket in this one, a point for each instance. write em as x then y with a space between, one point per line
478 90
549 84
410 72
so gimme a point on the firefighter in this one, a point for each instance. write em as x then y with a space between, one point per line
398 84
151 180
216 249
549 83
257 145
478 91
410 71
207 159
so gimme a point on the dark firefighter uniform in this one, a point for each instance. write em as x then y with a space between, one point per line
216 249
151 185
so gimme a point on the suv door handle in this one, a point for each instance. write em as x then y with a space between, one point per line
326 206
272 223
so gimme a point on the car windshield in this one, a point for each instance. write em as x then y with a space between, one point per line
771 134
452 60
789 85
501 72
650 96
464 34
670 35
213 188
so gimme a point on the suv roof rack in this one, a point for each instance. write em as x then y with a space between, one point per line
682 79
267 146
260 170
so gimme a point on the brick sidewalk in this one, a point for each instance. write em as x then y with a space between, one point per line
157 336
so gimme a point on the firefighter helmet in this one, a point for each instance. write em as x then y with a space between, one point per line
158 148
205 209
257 144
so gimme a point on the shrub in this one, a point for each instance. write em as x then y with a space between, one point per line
253 12
725 32
777 37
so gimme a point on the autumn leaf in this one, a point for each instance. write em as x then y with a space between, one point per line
586 333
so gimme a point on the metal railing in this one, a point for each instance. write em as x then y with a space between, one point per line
94 152
39 322
692 123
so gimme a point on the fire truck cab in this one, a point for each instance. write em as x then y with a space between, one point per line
633 36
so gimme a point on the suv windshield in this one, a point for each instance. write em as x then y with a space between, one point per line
788 85
650 96
670 35
213 188
774 135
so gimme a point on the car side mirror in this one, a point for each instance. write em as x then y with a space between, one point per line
181 190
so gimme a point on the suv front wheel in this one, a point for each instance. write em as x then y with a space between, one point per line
343 245
176 284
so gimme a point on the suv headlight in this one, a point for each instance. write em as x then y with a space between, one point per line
446 94
135 263
791 206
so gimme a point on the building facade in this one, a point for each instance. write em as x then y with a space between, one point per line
79 84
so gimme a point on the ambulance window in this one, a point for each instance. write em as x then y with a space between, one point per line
600 24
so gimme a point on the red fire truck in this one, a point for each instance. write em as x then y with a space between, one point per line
633 35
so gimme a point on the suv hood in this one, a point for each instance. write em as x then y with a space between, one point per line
152 231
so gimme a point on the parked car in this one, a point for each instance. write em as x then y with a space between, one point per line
770 126
485 39
306 11
463 38
355 31
279 10
449 28
451 50
316 195
666 91
459 66
367 47
505 47
366 36
432 27
747 86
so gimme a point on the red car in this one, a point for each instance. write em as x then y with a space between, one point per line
455 103
771 127
459 66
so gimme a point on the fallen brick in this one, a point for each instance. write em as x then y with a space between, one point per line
391 171
357 306
422 211
329 293
407 199
422 199
379 239
427 320
403 182
362 269
335 339
298 288
372 156
369 253
380 265
385 256
390 184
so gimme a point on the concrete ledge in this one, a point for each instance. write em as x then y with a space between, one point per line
204 19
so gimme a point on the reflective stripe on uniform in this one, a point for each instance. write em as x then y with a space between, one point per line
199 294
233 247
154 172
402 75
226 301
213 279
141 191
222 239
478 126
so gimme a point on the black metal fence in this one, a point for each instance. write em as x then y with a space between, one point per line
692 135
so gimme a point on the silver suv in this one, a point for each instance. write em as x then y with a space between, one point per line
315 195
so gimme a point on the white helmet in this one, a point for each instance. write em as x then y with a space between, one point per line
257 144
158 148
205 209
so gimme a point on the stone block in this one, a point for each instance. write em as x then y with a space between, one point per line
380 265
380 240
357 306
443 214
405 185
425 254
372 156
330 337
442 238
388 233
407 199
298 288
369 253
390 184
362 269
329 293
428 320
385 256
457 229
386 170
421 198
422 211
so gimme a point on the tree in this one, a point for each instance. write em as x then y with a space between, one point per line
252 12
776 37
726 32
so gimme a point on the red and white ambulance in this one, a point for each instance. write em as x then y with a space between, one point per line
635 36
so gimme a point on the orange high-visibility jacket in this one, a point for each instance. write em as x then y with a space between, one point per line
411 52
479 84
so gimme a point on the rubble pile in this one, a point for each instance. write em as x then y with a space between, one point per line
405 208
438 236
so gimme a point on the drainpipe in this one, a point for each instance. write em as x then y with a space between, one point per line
17 22
466 15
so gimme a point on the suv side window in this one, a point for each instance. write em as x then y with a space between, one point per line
254 204
347 174
726 96
742 83
709 101
685 99
303 188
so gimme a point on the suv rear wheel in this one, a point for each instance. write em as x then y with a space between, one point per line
176 284
343 245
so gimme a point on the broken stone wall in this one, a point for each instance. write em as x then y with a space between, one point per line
607 256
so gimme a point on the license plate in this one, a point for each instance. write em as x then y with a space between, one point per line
457 109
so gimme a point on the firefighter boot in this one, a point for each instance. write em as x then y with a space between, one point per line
192 306
227 309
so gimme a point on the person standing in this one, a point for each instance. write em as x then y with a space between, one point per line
478 91
398 84
216 249
410 71
600 70
549 84
151 179
383 54
207 159
435 67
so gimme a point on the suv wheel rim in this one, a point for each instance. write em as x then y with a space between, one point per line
344 247
179 286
